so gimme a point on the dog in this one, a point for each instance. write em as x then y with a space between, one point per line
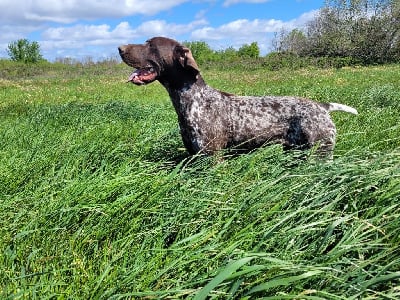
211 120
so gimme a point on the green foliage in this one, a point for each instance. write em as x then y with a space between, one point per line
366 31
229 53
382 96
292 42
284 60
99 201
252 50
201 51
25 51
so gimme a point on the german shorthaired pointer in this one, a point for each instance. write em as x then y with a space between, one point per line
211 120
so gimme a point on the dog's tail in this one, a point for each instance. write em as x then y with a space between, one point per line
341 107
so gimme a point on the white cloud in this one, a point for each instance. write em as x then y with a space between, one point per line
123 31
238 29
77 40
67 11
56 40
244 31
252 28
161 27
303 19
19 20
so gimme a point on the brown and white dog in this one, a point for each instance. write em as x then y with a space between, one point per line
211 120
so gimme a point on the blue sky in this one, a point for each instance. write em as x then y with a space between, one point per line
94 28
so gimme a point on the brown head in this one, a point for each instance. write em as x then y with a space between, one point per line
160 59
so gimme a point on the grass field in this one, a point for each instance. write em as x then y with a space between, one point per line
98 199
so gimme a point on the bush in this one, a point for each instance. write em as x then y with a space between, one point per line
201 51
251 50
363 30
25 51
283 60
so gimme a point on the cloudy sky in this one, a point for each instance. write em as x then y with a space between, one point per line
94 28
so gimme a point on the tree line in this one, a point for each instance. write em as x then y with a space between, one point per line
365 31
345 31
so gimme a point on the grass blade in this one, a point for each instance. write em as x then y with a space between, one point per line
222 275
283 281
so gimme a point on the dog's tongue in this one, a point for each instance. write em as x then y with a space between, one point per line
142 76
134 77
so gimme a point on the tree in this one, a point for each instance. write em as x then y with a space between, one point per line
292 42
370 28
24 51
327 34
251 50
228 53
366 31
201 51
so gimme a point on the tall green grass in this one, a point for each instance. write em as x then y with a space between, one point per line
99 200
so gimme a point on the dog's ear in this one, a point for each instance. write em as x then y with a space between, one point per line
185 58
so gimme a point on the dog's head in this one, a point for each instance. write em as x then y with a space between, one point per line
160 59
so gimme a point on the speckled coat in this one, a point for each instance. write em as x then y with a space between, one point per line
211 120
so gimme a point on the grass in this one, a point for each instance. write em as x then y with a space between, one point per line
98 200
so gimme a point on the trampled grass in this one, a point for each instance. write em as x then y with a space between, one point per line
100 201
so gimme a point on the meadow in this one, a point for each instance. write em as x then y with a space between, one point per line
99 200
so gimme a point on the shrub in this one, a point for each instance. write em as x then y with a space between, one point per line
368 31
201 51
251 50
284 60
25 51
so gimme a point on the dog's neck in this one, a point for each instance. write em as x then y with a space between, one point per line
184 91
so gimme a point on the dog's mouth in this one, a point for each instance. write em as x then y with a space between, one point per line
143 76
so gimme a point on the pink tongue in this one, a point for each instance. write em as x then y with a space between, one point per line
134 75
141 76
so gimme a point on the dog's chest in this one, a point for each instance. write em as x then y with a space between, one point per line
202 105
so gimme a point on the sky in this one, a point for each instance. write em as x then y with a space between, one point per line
82 29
